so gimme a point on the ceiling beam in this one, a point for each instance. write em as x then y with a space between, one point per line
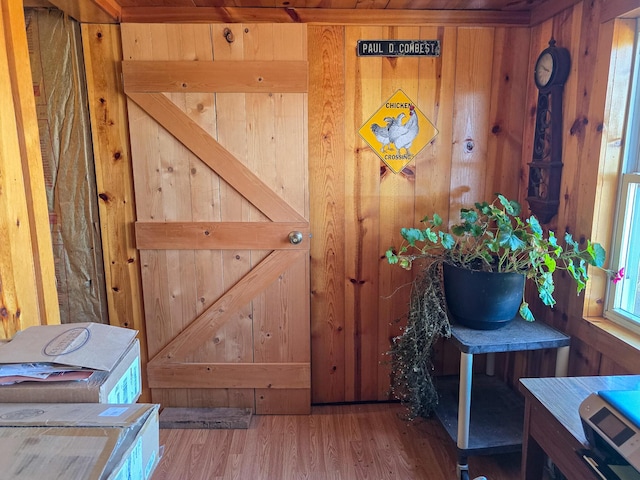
619 8
610 9
37 4
323 16
110 11
84 11
549 9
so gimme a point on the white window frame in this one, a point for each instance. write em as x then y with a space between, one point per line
629 179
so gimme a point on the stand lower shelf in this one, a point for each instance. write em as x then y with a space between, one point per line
497 414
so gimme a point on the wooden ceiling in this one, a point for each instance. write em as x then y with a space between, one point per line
371 4
336 12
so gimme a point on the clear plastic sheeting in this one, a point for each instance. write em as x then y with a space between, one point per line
59 85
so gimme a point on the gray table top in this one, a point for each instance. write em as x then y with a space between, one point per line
515 336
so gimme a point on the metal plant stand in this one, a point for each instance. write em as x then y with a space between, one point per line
493 424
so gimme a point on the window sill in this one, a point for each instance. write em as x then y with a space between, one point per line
613 341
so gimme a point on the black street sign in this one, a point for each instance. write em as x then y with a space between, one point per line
398 48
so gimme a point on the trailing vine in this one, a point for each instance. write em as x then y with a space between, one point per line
411 352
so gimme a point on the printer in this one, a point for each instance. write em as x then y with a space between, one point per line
611 422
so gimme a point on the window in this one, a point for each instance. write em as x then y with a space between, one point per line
623 301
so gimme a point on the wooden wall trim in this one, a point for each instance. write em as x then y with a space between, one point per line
614 60
112 7
619 8
114 180
612 342
324 16
28 294
87 11
37 4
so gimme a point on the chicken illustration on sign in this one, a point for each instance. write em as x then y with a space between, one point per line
398 131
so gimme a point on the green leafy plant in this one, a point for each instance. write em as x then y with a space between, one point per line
493 237
489 237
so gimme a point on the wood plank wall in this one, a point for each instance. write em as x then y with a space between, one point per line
480 89
480 96
593 110
474 94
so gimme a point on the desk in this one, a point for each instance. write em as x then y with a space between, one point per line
552 423
497 413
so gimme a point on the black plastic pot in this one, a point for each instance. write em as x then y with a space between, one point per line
482 300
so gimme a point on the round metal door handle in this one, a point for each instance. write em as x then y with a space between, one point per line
295 237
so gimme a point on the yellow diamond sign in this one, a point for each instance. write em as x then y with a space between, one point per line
398 131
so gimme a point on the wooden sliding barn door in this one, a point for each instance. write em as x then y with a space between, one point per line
218 122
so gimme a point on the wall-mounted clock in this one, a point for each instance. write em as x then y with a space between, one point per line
550 74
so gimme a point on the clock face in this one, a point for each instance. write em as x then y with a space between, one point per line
544 69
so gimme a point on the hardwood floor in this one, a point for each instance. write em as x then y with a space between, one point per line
345 442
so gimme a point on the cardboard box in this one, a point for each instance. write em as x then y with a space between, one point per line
88 345
112 352
121 385
86 441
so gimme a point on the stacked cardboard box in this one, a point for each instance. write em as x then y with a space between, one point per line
111 353
88 441
85 429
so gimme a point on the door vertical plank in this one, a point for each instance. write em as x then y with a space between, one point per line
145 157
280 316
199 187
283 336
237 335
165 283
178 269
204 183
172 42
291 122
261 159
189 43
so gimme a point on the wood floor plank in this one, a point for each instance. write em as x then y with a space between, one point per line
335 442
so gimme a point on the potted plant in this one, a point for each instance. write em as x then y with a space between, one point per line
491 240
